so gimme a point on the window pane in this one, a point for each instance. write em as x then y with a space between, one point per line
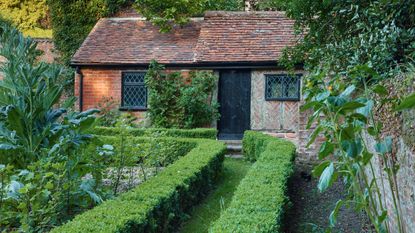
282 87
292 87
135 96
133 78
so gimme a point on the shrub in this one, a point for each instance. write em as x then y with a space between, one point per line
179 102
208 133
158 205
260 200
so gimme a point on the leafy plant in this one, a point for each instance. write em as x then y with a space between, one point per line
168 13
348 120
179 103
43 184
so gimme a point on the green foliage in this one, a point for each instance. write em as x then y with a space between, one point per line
166 14
42 183
349 48
208 133
349 116
234 170
260 200
73 20
29 16
381 34
176 102
158 205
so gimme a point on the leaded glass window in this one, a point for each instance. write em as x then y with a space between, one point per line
134 90
282 87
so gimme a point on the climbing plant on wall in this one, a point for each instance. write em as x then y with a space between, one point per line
179 102
73 20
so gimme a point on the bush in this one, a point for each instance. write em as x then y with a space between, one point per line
167 150
179 102
158 205
259 202
208 133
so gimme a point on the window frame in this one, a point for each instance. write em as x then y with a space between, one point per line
132 108
297 98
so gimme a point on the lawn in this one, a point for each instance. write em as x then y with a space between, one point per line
209 210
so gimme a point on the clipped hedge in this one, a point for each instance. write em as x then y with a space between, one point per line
169 149
259 202
160 204
208 133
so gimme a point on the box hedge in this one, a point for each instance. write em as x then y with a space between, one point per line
209 133
160 204
169 149
259 202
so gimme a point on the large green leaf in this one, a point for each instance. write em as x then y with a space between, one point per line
348 91
353 148
384 146
326 149
407 103
327 178
335 213
318 170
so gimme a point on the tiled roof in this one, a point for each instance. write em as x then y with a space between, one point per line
220 37
244 36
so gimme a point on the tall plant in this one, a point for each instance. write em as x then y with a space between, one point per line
41 171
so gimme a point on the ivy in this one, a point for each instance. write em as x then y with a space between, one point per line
73 20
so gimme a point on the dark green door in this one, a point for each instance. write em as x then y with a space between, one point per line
235 103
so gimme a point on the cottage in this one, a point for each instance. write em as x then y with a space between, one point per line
254 92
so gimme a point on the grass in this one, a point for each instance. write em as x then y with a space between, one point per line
209 210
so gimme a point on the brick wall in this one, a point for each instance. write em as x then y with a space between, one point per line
46 46
101 83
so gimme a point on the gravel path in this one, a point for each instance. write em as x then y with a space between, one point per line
310 209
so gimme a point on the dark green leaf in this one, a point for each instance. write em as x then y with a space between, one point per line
353 147
351 106
317 170
407 103
335 213
380 90
314 135
326 149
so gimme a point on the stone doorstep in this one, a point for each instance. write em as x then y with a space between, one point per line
234 147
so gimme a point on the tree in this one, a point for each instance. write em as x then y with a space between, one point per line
29 16
166 14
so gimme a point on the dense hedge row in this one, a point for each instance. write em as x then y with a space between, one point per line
159 204
139 132
260 200
162 149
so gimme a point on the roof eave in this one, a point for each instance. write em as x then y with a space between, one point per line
202 65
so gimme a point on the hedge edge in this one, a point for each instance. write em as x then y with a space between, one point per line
160 204
260 200
209 133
